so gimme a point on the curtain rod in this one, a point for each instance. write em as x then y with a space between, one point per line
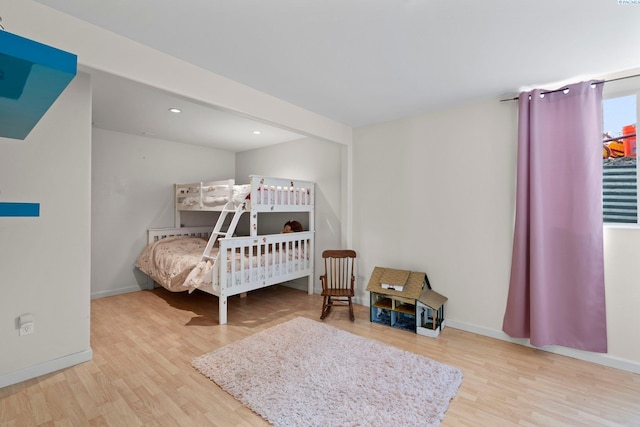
560 90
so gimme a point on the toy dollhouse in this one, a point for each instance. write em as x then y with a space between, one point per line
404 299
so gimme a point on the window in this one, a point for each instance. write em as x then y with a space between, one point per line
620 172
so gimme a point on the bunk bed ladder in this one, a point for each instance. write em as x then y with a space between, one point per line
217 232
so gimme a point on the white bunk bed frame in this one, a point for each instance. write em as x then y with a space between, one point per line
295 251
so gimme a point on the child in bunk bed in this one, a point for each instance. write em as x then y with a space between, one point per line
292 227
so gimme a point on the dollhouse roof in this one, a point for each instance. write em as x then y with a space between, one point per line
415 286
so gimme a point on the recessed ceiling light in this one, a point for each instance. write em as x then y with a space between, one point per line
256 132
175 110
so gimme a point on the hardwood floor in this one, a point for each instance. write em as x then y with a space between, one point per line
141 374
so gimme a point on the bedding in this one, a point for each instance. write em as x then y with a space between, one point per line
213 195
170 260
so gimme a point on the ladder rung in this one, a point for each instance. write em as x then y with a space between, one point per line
209 257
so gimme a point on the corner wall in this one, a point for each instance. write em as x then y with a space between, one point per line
132 191
45 260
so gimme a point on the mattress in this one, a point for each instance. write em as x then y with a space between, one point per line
175 263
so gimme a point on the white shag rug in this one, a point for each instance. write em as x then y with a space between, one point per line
306 373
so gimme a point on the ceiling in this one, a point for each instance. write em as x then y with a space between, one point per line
125 106
357 62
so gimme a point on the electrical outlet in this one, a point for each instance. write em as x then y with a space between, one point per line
26 324
27 328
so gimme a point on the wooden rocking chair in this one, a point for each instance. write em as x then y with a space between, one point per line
338 280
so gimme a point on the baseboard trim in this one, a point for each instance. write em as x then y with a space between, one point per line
112 292
598 358
45 368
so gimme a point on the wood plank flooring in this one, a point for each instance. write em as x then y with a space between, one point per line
141 374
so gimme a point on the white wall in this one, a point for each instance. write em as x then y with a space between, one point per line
622 287
132 190
44 261
435 193
307 159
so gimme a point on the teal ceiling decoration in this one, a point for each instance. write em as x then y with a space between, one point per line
32 77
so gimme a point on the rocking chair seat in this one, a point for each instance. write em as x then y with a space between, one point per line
338 293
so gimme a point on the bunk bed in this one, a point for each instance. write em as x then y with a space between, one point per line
213 259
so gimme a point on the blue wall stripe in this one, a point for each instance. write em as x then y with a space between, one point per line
19 209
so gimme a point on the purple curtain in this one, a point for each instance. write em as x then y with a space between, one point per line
556 292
